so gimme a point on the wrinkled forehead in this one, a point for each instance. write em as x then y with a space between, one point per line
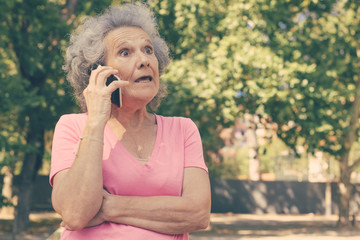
125 34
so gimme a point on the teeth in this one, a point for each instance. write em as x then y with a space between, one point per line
143 80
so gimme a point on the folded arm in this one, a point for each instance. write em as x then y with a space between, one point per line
77 192
164 214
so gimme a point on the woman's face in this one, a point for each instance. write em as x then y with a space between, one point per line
130 51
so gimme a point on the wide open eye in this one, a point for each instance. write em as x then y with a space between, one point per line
124 52
149 50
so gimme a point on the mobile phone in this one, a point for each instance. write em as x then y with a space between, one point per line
116 95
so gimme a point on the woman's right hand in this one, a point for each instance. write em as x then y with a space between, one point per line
98 95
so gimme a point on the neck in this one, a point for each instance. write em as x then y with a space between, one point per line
132 119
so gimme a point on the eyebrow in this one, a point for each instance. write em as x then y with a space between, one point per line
149 41
126 42
120 44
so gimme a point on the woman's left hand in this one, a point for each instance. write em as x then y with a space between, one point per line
100 216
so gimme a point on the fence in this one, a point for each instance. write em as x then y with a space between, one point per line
239 196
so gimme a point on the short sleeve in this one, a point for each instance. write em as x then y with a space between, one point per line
65 143
194 156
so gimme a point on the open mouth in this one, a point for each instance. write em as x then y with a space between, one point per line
144 79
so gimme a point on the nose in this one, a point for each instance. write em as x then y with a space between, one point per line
143 61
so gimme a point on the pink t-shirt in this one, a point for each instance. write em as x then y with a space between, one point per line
177 146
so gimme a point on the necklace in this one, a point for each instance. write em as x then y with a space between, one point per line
140 153
131 140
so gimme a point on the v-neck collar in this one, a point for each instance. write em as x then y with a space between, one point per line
114 141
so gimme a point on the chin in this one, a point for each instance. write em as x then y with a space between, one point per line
140 99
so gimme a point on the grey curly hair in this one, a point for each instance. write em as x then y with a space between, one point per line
87 47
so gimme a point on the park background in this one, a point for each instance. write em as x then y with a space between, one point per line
273 86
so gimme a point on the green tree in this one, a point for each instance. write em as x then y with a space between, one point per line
226 65
323 102
295 61
196 89
33 37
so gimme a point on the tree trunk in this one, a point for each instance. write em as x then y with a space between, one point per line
31 165
24 206
345 187
345 192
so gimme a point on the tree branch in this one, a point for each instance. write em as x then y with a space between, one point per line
354 122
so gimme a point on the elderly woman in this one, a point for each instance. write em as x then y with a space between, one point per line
119 171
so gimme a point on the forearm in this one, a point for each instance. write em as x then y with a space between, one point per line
77 193
164 214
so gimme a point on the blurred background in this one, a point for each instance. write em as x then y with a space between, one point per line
273 86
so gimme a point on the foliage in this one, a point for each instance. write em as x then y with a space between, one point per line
226 62
294 61
34 93
320 100
32 42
